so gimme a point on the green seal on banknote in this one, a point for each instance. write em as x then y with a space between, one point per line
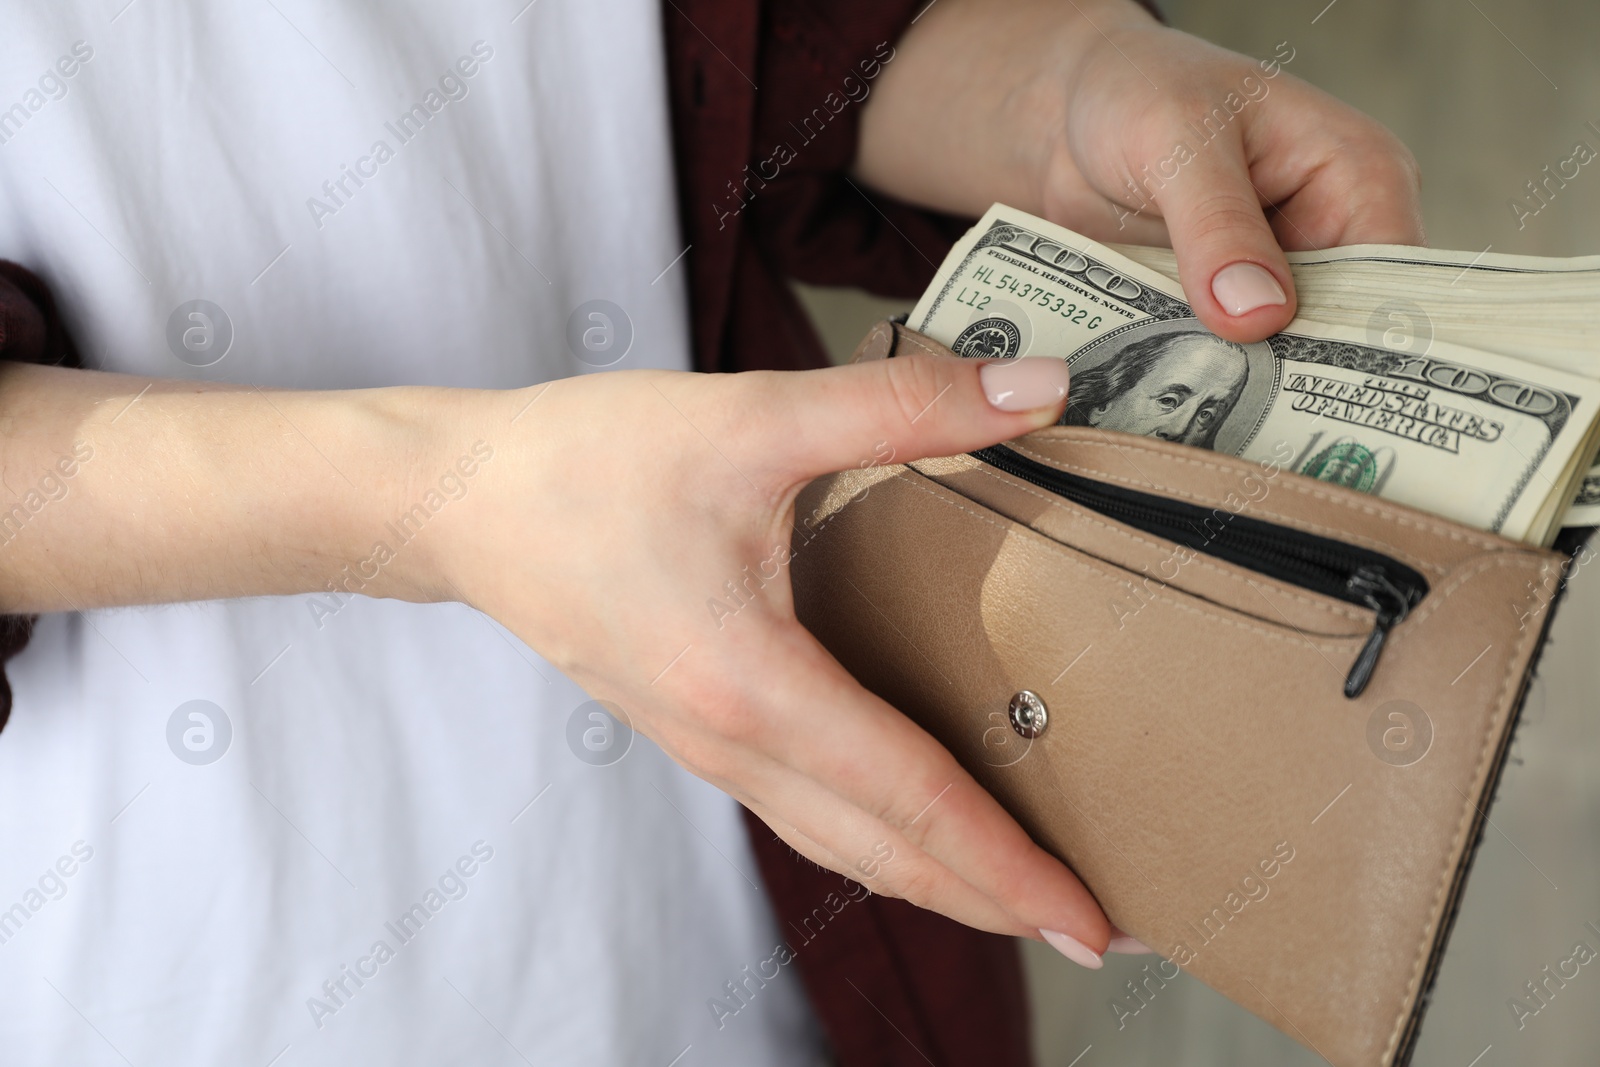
1346 463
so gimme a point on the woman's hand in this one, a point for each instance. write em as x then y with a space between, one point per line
596 517
1194 158
619 506
1097 117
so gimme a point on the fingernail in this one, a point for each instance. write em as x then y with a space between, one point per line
1073 949
1025 384
1242 287
1127 946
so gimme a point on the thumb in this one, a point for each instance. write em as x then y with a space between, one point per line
1233 272
909 407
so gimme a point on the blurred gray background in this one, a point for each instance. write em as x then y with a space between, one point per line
1486 93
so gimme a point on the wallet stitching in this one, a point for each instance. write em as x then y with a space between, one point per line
867 342
1435 600
1103 571
910 336
1089 516
1462 828
1392 515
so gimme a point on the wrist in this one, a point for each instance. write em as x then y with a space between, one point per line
974 106
425 451
1097 61
1072 51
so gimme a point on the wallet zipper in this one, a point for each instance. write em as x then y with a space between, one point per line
1356 575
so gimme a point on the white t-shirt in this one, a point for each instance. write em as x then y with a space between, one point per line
268 832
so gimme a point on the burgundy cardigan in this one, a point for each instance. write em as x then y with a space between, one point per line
766 99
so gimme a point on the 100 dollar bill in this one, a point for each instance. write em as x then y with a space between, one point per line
1481 438
1536 309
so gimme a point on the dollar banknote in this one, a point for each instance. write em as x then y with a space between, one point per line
1542 310
1480 437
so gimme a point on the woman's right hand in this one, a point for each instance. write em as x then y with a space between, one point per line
617 505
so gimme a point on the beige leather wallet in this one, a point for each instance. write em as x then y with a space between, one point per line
1260 716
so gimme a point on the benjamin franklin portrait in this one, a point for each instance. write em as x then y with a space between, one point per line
1178 386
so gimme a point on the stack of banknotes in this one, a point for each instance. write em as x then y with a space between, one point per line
1463 384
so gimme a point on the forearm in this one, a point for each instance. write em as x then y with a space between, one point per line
119 490
973 106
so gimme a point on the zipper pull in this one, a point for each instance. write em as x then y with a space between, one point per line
1390 606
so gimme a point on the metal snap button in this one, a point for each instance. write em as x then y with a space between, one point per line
1029 716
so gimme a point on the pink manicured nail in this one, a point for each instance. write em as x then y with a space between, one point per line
1025 384
1073 949
1242 287
1127 946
